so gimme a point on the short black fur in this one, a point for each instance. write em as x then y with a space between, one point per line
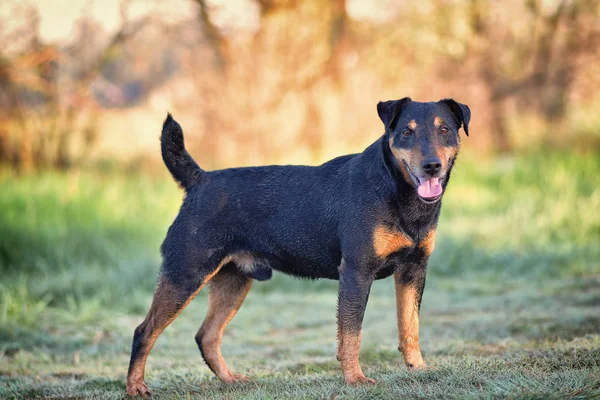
317 222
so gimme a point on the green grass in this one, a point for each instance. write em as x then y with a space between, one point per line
511 307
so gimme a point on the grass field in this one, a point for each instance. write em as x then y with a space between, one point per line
511 308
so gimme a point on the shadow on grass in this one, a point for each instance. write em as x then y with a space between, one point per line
545 329
13 339
568 369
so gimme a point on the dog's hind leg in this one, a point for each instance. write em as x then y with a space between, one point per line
169 300
227 291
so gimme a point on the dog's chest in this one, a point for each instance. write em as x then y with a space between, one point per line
388 241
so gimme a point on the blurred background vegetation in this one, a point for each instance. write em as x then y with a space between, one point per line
287 81
85 200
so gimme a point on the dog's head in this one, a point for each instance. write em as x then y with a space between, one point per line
423 140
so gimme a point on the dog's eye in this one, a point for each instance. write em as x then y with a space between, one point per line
406 133
443 130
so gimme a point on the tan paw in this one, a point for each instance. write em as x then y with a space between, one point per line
235 378
138 389
415 361
359 379
418 367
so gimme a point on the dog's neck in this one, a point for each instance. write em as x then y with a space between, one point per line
414 216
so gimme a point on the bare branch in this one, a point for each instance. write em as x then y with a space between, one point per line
217 42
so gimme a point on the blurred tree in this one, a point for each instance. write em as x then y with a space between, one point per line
255 74
49 116
536 65
302 75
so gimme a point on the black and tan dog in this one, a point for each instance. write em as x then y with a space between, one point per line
356 218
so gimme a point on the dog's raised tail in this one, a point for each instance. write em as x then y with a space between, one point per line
181 165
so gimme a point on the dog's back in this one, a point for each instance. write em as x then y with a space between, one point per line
256 214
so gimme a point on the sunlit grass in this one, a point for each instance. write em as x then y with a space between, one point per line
510 307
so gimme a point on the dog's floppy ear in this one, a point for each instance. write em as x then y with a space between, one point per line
389 110
461 112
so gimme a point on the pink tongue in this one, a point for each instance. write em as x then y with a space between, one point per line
430 188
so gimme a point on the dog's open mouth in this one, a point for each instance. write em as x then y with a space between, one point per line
429 190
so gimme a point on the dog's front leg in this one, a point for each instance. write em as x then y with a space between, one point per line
410 282
354 289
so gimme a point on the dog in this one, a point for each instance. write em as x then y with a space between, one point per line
356 218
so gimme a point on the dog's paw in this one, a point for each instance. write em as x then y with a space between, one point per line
235 378
415 361
359 380
138 389
417 367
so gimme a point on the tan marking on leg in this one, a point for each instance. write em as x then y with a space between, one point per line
225 297
407 309
386 241
428 243
349 352
340 343
340 337
412 124
437 121
163 311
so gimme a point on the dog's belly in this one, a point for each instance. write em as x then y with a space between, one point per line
301 249
385 272
309 269
260 266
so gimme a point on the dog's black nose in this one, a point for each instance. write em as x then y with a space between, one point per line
431 165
